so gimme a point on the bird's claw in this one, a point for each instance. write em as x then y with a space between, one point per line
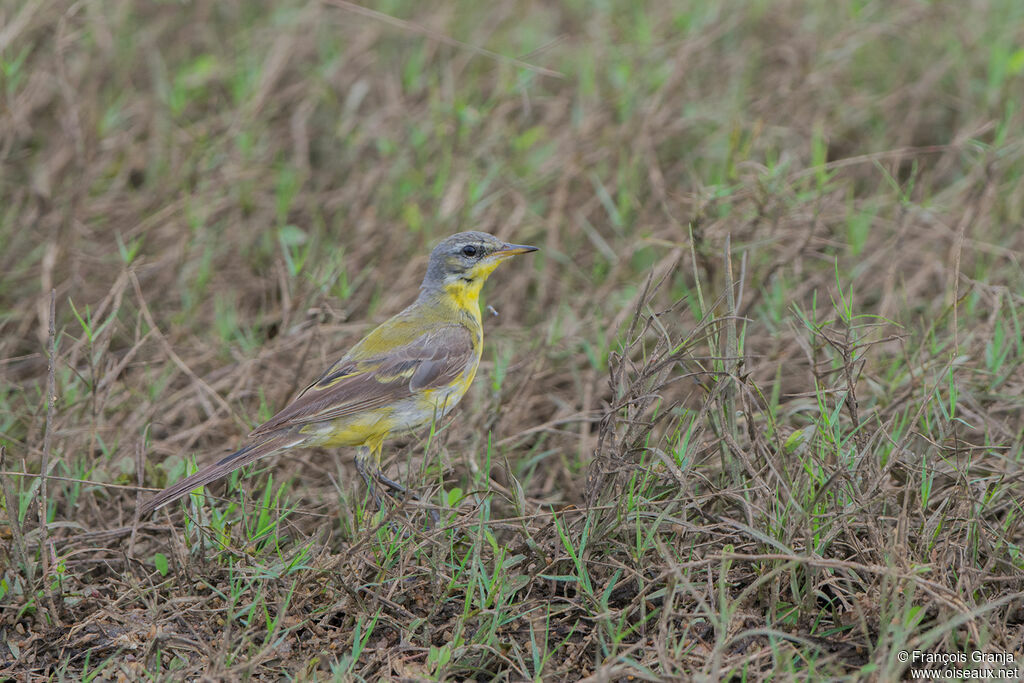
372 474
397 488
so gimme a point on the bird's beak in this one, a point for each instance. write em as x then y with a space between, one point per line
514 250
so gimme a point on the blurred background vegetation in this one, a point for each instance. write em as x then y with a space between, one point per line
795 452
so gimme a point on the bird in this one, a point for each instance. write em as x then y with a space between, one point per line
404 375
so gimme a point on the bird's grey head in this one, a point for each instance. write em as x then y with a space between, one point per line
467 257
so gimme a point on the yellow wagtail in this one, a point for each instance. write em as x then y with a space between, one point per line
405 374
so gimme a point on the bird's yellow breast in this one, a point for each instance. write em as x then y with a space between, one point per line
465 297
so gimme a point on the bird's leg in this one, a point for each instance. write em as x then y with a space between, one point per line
366 463
364 458
373 460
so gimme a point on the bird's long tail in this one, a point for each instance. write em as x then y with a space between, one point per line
270 444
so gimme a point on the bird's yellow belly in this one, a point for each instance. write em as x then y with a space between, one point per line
374 426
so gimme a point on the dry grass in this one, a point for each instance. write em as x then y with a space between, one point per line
755 411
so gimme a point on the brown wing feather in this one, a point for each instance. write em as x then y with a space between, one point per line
353 386
221 468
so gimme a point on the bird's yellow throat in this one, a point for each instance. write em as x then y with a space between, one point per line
464 292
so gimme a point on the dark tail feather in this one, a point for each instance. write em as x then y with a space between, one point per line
221 468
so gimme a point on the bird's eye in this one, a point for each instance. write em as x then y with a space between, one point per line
469 250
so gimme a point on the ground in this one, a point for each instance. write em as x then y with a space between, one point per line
754 410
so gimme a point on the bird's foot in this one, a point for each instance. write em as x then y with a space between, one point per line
372 474
396 488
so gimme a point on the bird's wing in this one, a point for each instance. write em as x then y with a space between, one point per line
353 385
